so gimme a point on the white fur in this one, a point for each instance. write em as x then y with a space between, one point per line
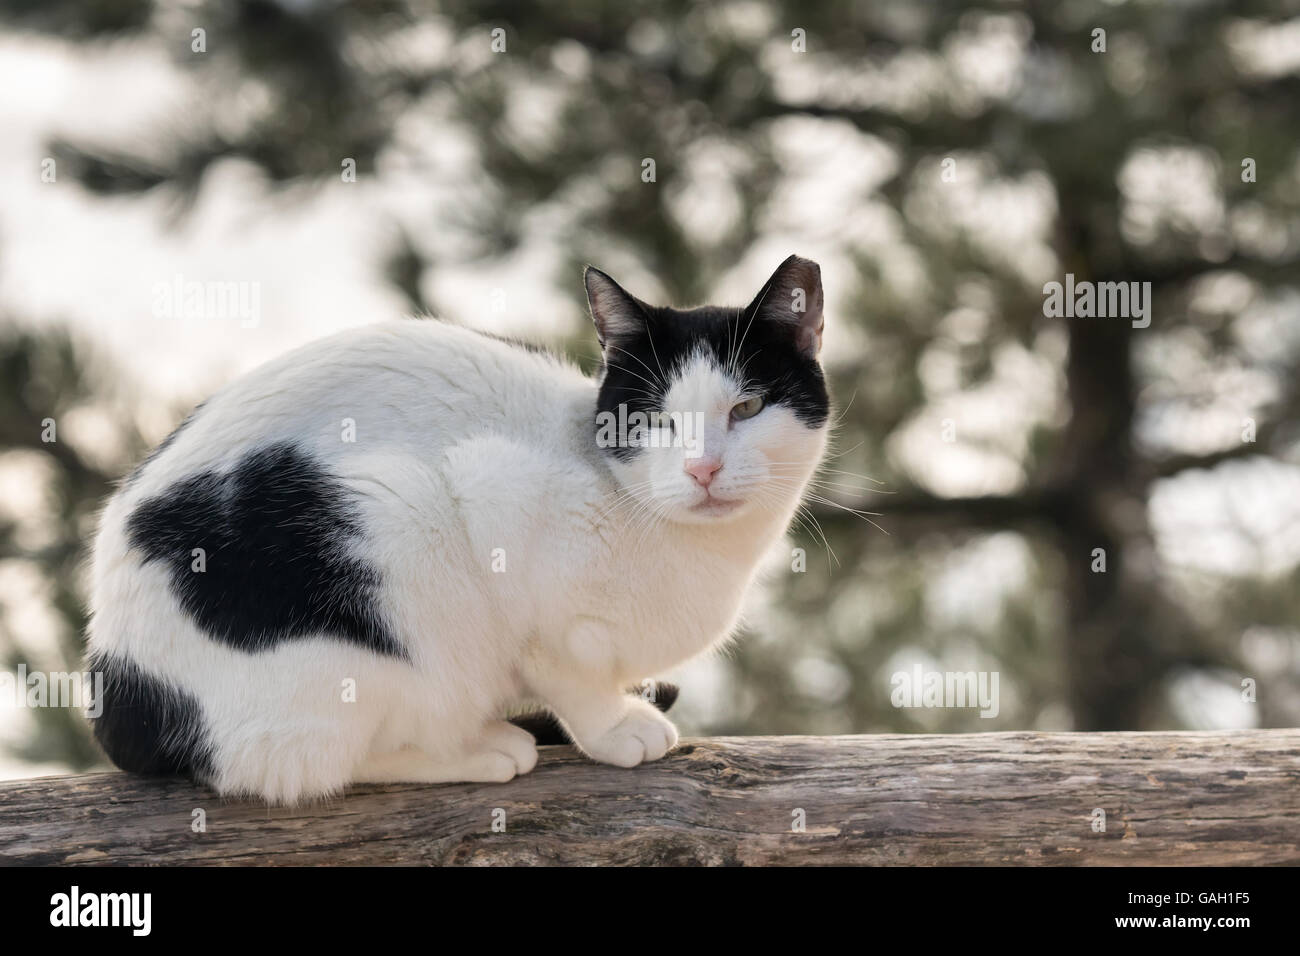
463 445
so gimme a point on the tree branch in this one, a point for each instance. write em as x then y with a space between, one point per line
1018 798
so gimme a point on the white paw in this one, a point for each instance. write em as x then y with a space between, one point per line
643 735
491 767
516 745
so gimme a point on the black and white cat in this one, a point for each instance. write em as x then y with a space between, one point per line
355 562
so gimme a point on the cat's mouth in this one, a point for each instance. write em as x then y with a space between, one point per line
715 506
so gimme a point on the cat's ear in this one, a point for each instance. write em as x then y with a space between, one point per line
793 297
616 312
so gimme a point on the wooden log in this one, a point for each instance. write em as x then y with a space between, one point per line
1228 797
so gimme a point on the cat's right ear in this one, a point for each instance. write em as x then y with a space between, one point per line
616 313
793 297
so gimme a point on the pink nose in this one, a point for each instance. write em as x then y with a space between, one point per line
703 469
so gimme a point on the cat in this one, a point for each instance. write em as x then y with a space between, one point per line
353 563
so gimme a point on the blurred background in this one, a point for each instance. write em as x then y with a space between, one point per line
941 160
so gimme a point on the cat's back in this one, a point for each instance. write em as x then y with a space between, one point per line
417 385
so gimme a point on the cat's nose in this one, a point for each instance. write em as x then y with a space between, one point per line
703 469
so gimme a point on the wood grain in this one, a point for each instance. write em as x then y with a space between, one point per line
1010 798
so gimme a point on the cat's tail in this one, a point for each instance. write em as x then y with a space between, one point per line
546 728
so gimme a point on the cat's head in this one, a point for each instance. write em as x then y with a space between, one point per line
706 414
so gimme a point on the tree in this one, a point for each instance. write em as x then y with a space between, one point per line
975 153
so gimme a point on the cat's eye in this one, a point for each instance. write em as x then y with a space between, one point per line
747 409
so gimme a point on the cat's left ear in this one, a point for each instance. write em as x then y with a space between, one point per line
793 296
616 313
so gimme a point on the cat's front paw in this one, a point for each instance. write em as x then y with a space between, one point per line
512 749
644 734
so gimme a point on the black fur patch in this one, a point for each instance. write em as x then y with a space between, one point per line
277 533
147 726
638 368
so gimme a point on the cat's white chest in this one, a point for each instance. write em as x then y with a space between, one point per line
673 605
